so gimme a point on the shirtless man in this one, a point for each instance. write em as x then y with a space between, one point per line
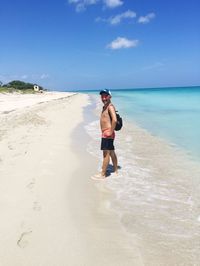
108 121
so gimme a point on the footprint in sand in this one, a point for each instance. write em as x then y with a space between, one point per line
10 147
22 242
36 206
31 184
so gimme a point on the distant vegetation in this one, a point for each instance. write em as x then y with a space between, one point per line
18 86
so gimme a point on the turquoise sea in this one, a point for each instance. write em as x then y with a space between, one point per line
170 113
156 193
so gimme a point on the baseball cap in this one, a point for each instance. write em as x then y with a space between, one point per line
106 91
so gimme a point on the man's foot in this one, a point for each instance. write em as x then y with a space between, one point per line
98 176
114 175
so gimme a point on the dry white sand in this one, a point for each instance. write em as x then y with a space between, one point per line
13 101
51 212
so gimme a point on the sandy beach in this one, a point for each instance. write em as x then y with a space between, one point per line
52 214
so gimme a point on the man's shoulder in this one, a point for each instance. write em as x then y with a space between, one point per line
111 106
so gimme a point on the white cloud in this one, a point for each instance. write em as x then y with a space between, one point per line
113 3
122 42
118 18
99 19
44 76
81 5
146 19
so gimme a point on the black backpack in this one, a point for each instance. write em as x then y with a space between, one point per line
119 123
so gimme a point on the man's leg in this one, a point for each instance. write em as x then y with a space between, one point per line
114 160
106 160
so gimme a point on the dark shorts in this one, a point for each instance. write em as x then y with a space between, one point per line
107 144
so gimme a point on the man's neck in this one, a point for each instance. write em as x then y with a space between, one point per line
106 105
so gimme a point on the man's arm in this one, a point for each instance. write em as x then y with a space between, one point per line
111 110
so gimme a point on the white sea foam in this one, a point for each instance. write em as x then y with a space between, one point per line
156 194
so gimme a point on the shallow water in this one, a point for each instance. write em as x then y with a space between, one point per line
157 194
171 113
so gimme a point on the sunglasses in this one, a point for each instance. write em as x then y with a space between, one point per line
105 96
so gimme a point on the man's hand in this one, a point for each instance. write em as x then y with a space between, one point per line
108 133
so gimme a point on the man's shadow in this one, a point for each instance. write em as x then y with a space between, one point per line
110 169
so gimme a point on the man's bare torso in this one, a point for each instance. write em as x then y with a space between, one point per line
105 120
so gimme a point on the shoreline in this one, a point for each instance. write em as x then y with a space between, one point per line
49 204
156 195
105 234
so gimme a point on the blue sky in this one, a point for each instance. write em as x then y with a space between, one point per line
93 44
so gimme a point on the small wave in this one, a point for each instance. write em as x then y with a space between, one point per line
155 196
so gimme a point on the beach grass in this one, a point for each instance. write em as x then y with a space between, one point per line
12 90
